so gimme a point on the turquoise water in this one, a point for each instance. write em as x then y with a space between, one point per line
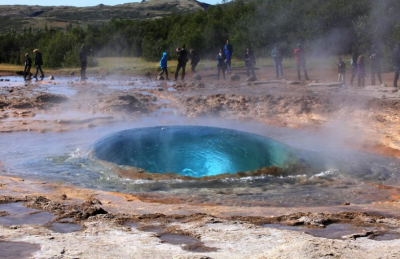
195 151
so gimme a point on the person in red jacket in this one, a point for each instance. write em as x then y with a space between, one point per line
299 53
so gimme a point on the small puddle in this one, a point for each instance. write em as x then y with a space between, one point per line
332 231
152 228
386 237
17 214
17 250
65 227
131 224
188 243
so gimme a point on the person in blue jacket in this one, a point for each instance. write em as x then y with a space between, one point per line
164 66
228 50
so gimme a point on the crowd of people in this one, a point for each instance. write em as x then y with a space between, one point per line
224 62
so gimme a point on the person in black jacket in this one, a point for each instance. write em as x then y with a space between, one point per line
38 63
83 58
396 63
182 60
27 67
375 57
221 65
249 61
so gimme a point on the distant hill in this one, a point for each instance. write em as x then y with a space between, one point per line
18 17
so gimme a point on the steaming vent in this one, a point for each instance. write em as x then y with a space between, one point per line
194 151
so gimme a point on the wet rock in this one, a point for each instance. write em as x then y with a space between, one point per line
21 105
331 84
160 78
358 235
293 82
251 79
267 82
50 98
72 73
197 77
51 77
235 77
147 74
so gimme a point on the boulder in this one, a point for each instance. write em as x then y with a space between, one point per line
51 77
72 73
197 77
148 74
235 77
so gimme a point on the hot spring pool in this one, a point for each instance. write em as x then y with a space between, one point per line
195 151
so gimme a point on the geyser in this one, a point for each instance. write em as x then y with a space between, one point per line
194 151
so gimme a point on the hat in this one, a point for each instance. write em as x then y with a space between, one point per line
26 54
35 50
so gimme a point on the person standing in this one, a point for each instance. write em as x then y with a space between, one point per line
83 55
353 64
375 57
396 63
228 50
38 63
27 67
221 65
195 59
342 71
164 65
182 60
299 53
276 54
361 71
249 61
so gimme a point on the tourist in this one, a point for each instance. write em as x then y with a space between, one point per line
299 53
396 63
38 63
228 50
27 67
249 61
221 64
182 60
341 70
276 54
164 65
83 58
361 71
353 64
375 57
195 59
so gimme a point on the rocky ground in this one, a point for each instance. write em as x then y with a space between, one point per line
118 225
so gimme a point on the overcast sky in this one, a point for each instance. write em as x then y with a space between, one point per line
79 2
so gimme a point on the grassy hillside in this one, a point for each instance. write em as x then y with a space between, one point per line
18 17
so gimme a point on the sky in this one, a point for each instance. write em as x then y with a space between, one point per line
79 2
